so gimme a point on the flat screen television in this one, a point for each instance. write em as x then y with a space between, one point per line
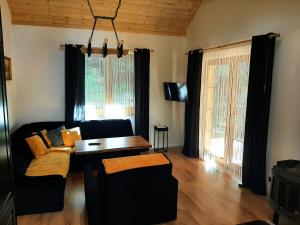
175 91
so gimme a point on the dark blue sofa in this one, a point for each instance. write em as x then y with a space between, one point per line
140 196
46 194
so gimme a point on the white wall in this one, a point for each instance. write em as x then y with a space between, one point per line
39 72
7 36
220 22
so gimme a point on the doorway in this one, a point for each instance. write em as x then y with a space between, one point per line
224 89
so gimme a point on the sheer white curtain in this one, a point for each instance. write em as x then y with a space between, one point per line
109 87
223 102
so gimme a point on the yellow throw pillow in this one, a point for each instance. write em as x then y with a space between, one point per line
70 136
45 135
37 146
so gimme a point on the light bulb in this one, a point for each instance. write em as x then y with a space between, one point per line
119 43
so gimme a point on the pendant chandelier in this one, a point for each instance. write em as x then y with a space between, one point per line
112 19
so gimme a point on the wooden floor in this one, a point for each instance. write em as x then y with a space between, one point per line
205 197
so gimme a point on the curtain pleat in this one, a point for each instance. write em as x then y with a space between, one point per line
192 107
257 116
142 82
74 83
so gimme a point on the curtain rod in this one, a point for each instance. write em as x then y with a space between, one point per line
232 44
99 50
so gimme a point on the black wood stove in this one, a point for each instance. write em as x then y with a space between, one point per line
285 190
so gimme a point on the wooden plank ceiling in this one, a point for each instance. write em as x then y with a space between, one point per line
167 17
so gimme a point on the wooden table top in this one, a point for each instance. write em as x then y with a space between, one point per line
91 146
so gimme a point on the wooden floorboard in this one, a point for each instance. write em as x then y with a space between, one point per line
206 197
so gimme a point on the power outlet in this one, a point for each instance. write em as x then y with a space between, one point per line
270 179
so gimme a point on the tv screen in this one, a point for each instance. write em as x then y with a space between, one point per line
175 91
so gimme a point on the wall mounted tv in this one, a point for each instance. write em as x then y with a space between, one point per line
175 91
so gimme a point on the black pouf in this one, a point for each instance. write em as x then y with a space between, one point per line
256 222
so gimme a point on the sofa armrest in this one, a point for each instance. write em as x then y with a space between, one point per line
90 182
39 194
91 195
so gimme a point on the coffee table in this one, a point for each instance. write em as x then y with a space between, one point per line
92 146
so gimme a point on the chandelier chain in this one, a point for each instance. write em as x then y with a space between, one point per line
90 8
104 18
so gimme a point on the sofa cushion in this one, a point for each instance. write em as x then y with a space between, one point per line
53 163
56 137
37 146
44 133
70 136
95 129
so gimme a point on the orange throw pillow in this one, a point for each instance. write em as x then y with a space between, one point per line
37 146
45 135
70 136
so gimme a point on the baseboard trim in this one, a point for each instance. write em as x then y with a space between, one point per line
171 146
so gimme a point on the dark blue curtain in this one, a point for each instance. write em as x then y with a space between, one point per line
142 82
257 114
192 107
74 83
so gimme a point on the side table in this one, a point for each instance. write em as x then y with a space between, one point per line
157 145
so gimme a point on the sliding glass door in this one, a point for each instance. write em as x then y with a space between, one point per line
223 107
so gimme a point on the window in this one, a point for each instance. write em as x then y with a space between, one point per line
223 106
109 87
